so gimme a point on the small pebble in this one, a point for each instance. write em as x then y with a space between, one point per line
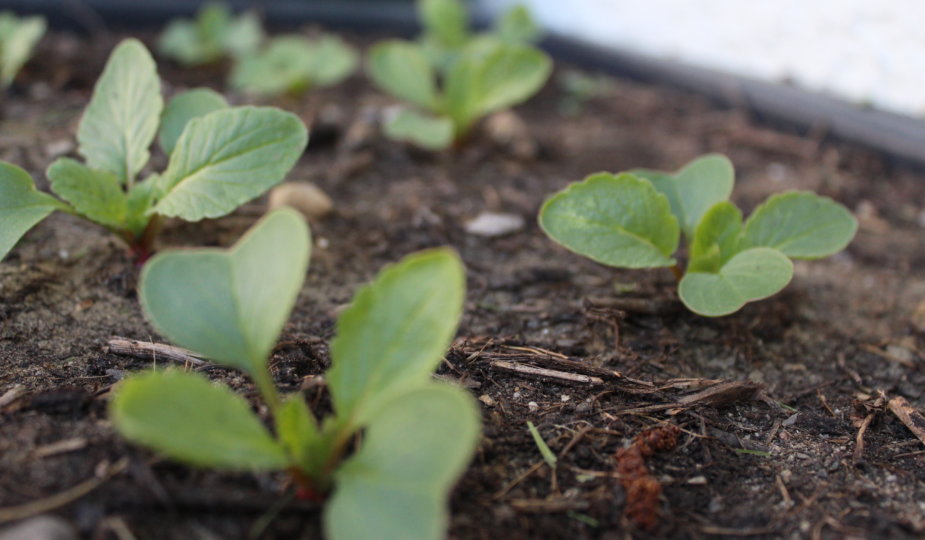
305 197
40 528
493 224
533 406
487 400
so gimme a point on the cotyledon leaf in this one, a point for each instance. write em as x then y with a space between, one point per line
183 108
21 205
615 220
750 275
401 69
188 418
121 120
421 129
801 224
228 157
230 305
396 485
694 189
716 239
395 332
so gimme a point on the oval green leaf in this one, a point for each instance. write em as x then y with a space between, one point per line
230 305
802 225
750 275
228 157
717 238
428 132
21 205
188 418
18 37
694 189
396 485
615 220
96 195
183 108
395 332
401 69
121 120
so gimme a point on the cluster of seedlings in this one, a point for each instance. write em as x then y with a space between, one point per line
396 441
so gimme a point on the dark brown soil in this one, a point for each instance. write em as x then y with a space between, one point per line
776 458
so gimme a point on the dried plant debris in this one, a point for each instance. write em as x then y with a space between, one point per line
642 489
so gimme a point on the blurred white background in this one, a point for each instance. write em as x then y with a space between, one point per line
865 51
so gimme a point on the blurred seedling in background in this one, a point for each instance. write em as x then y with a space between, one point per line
18 37
451 78
215 34
578 88
293 65
219 158
636 220
231 305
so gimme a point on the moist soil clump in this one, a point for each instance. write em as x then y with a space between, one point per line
778 415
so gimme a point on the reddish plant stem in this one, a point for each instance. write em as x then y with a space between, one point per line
678 273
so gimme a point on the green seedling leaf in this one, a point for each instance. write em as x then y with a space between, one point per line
401 68
295 64
18 36
394 333
183 108
445 22
181 42
121 120
298 430
717 238
429 132
186 417
228 157
750 275
695 188
139 199
517 26
230 305
614 220
548 456
97 195
396 485
243 35
482 82
215 33
801 225
21 205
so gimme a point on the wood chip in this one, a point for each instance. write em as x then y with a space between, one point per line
912 418
152 351
548 373
60 447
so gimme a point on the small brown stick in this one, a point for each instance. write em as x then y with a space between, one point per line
885 355
912 418
11 395
541 506
859 439
23 511
722 394
640 306
550 373
152 351
523 476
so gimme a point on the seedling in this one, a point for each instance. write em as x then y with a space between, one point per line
18 37
446 31
451 79
214 34
635 220
294 64
231 305
220 158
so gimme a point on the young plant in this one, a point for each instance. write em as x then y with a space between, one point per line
18 37
220 158
214 34
636 219
452 79
231 305
294 64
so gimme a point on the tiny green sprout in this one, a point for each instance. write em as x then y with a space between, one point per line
451 79
636 219
548 456
18 37
214 34
231 305
294 64
219 158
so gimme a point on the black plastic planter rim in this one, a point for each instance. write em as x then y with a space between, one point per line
894 135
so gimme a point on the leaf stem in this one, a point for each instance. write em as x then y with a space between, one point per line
678 273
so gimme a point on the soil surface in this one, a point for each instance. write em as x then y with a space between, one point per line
771 402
